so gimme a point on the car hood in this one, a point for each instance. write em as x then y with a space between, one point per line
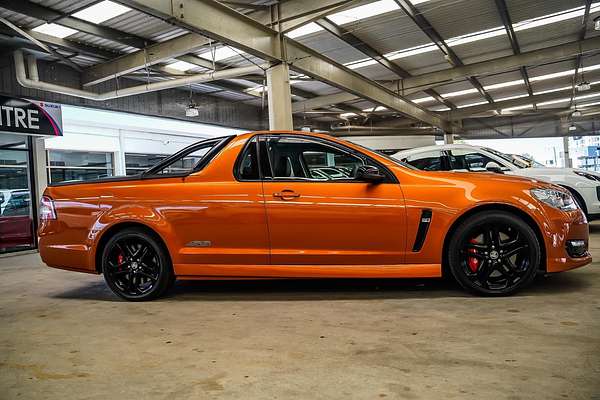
476 177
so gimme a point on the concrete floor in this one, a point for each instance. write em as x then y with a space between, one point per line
63 335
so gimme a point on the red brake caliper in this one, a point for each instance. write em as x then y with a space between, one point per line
472 261
120 259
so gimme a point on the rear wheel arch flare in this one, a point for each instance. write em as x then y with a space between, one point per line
492 207
106 235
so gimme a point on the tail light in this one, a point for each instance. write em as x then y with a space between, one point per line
47 210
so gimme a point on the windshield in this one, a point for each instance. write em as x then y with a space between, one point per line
517 160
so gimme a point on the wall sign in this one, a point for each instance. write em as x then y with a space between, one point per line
30 116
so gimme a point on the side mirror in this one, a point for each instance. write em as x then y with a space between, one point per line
369 173
493 167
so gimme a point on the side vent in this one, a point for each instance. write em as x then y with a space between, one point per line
422 231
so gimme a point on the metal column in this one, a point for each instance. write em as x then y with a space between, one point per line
280 97
567 155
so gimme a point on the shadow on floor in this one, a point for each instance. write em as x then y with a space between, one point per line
325 289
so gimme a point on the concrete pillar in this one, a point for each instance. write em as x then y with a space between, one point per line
280 97
120 167
567 155
448 138
39 169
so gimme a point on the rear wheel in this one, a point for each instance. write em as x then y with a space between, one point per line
494 253
135 266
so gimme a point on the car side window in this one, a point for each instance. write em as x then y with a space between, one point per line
426 161
470 160
248 166
306 159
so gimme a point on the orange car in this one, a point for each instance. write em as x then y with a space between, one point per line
269 205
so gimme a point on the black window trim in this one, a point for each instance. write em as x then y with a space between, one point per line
391 178
219 144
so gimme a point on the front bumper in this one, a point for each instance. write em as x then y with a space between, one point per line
563 229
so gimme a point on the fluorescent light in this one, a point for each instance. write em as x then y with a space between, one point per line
553 90
348 114
504 84
553 18
221 53
517 107
364 11
547 103
101 12
473 104
589 104
512 97
423 99
458 93
56 30
304 30
182 66
373 109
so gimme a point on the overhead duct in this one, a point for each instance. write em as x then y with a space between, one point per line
35 83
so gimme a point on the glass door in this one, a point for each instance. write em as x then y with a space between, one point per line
17 229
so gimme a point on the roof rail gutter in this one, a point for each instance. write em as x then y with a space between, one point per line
35 83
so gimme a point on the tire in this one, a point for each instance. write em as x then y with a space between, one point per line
136 266
494 253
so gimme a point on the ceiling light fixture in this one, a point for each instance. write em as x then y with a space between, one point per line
572 127
576 113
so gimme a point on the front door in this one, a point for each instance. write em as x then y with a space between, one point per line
318 213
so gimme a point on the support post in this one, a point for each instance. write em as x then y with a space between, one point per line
280 97
448 138
567 155
39 169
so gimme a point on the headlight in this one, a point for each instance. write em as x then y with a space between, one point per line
555 198
586 175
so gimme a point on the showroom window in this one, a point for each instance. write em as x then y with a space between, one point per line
137 163
66 165
17 228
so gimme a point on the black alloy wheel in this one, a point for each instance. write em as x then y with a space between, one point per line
136 266
494 253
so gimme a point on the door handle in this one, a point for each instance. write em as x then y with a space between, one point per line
286 194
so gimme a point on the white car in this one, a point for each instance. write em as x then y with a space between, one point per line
584 185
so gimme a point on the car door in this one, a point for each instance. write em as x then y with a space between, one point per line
318 213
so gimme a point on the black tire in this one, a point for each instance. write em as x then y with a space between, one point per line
136 266
494 253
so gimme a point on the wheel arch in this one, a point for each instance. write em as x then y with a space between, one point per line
113 229
578 197
492 207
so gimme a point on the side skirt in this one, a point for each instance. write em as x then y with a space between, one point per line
194 271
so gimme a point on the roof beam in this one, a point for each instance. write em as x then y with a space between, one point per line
468 111
225 24
153 54
365 48
582 31
47 14
502 64
514 43
425 26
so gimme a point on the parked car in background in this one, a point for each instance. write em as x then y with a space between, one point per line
583 185
248 207
16 223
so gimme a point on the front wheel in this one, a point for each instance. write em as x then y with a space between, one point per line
135 266
494 253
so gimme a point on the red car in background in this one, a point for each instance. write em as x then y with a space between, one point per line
16 223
